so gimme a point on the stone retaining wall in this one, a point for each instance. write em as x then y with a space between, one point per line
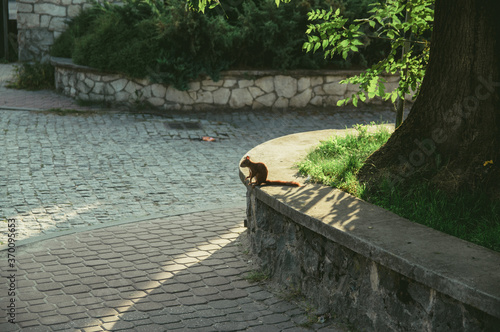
40 22
360 262
351 286
235 89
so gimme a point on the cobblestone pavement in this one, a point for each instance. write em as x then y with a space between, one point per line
15 99
183 273
61 170
120 184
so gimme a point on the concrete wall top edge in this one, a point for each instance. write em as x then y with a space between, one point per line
462 270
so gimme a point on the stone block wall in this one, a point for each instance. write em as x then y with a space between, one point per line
235 89
40 22
352 286
362 263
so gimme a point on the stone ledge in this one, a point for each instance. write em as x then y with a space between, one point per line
248 74
69 64
468 273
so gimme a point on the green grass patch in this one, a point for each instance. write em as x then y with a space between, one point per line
468 216
33 76
337 161
471 217
67 112
257 276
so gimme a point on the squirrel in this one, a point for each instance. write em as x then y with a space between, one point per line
259 172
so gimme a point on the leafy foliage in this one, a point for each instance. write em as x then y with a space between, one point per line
191 44
80 25
169 43
406 24
148 38
273 36
33 76
112 44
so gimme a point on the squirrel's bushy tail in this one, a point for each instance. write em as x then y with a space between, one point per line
284 183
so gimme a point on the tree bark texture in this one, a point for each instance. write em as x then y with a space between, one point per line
453 128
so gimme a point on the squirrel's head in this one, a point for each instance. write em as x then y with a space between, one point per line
245 162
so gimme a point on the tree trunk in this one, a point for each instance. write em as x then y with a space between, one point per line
453 128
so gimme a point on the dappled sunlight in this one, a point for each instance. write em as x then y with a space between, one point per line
59 217
174 266
171 267
332 206
149 268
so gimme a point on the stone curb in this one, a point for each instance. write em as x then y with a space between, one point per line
7 108
459 269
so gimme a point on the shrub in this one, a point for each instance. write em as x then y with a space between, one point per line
113 44
191 44
165 42
273 36
33 76
78 26
152 39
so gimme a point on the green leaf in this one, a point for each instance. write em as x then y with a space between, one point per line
394 96
395 20
202 5
344 43
381 89
372 85
355 100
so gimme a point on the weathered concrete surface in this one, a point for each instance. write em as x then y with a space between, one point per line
451 273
